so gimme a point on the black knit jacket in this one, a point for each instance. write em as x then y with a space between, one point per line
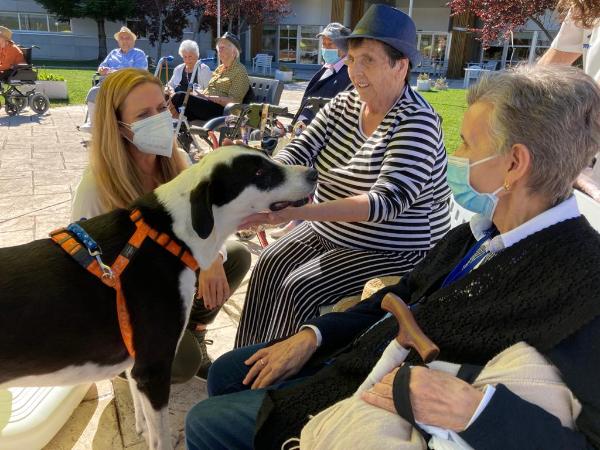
544 290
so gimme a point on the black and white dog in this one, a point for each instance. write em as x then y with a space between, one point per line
58 322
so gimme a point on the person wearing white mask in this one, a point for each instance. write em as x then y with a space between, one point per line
133 152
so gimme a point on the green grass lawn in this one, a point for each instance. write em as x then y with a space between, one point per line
451 106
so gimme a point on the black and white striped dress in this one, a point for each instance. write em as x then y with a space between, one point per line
401 167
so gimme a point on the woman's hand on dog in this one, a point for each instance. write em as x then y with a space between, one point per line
213 287
281 360
272 217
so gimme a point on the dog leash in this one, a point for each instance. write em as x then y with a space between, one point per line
80 246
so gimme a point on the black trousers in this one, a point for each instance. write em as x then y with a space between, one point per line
197 108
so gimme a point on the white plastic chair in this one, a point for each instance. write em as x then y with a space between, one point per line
262 61
30 417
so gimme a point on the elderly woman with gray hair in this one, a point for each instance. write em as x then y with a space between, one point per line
526 269
182 74
229 84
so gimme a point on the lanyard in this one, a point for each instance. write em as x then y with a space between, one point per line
466 265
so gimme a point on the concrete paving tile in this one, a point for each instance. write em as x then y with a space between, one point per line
74 157
7 174
16 186
55 162
15 153
44 224
11 238
46 177
12 207
52 189
19 224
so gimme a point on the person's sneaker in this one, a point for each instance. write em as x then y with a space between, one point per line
206 362
85 128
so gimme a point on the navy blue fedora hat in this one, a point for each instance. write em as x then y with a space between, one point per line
390 25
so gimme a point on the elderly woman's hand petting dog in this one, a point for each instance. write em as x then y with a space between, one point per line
437 398
281 360
213 287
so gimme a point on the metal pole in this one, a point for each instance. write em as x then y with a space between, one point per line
410 7
218 19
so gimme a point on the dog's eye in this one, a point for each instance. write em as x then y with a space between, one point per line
259 173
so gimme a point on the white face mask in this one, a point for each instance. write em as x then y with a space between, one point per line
153 135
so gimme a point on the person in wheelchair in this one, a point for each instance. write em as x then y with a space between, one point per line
126 55
10 53
182 74
229 84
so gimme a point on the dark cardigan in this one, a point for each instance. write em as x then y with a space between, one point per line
543 290
327 88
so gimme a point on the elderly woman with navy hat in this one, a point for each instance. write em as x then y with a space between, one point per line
381 199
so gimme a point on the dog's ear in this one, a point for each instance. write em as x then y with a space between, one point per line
201 206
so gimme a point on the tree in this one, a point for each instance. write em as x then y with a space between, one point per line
99 10
238 14
500 17
162 20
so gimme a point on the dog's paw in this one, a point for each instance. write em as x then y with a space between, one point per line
141 428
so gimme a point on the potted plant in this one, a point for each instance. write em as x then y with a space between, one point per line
441 84
423 82
284 73
54 86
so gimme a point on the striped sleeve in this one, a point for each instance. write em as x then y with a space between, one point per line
304 149
407 166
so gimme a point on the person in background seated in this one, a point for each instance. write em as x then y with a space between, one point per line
182 74
133 152
229 84
525 269
119 58
329 81
10 54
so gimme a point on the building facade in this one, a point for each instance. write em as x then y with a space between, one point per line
292 41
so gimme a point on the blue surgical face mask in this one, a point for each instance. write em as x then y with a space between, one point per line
153 135
330 55
464 194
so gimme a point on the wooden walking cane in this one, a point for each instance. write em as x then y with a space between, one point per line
410 334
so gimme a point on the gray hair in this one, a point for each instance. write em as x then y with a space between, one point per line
189 46
237 52
554 111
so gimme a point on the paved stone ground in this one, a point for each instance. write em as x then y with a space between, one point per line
41 162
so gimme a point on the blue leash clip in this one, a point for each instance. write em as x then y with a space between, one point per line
92 247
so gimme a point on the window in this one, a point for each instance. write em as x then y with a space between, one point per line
288 38
433 45
309 44
269 40
59 25
34 22
9 20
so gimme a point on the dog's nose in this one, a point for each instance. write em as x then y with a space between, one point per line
312 175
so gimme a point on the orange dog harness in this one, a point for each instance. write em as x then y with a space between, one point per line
88 255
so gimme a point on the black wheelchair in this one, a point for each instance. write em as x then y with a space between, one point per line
17 91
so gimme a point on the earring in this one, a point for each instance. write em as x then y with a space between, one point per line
506 186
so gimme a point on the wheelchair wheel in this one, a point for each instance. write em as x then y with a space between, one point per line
11 108
39 103
18 102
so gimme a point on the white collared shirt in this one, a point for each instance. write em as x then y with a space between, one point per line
332 68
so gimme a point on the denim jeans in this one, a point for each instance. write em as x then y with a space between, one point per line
227 419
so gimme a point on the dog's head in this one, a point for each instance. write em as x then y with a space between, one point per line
228 185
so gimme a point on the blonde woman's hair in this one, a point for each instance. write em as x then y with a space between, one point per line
117 176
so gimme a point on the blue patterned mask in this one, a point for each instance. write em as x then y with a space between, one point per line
464 194
330 55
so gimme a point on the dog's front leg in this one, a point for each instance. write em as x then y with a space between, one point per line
141 427
152 383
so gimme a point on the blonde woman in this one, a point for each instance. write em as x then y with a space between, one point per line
133 152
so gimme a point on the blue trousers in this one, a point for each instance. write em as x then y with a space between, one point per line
227 419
